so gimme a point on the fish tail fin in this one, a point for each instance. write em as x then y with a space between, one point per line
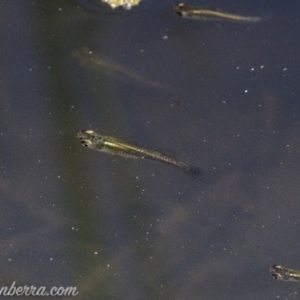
195 173
265 17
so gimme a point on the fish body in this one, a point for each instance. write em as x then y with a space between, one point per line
194 12
116 146
285 274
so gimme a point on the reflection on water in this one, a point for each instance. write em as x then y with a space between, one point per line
90 60
125 229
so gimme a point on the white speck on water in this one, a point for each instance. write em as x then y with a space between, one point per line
262 66
246 91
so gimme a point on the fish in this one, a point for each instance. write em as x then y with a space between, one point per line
115 146
88 59
285 274
198 13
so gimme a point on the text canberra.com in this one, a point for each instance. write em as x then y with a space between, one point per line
31 290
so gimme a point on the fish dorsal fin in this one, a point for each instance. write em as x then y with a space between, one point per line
166 152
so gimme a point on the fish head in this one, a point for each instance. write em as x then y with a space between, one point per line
182 9
275 271
90 139
281 273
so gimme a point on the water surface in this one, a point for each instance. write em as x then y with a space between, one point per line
123 229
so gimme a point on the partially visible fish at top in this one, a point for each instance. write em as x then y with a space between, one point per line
96 4
127 4
199 13
88 59
120 147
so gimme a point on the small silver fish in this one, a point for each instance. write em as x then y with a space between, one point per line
193 12
285 274
115 146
